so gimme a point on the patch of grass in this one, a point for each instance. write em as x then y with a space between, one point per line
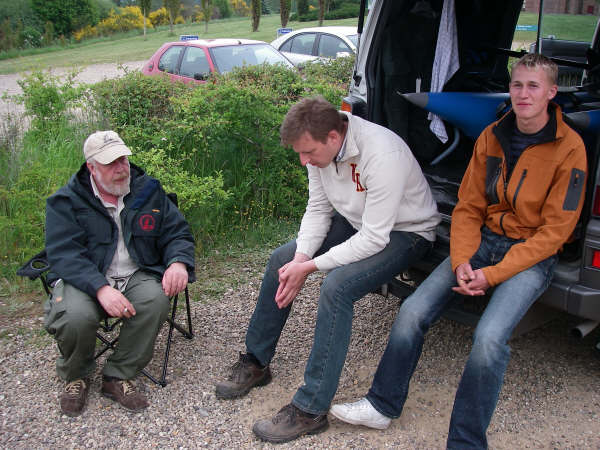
237 260
563 26
124 48
21 305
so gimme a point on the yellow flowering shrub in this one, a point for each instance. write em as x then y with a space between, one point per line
128 18
85 33
161 17
239 8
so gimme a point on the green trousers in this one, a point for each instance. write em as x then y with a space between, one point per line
73 317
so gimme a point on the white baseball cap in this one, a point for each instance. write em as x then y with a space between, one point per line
104 147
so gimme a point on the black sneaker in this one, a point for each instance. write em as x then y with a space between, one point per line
288 424
245 374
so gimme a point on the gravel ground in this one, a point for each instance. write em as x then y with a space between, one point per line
551 396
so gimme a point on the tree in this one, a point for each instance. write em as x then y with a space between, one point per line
66 15
207 10
224 8
173 9
256 7
284 11
145 7
302 6
321 12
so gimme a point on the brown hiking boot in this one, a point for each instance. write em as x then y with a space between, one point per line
288 424
125 393
245 374
74 396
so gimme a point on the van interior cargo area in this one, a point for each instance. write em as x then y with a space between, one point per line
403 63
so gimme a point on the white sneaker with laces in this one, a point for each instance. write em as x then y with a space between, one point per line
361 413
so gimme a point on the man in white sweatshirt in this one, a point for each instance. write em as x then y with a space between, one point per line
370 215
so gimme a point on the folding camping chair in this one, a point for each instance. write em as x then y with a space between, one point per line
37 267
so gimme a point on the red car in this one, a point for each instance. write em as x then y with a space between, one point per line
196 59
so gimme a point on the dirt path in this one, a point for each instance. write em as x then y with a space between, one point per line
89 74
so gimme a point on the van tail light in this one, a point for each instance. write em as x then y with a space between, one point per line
596 259
354 105
596 208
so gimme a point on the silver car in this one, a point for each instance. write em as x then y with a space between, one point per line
309 44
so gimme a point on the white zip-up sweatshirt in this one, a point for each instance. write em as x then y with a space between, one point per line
377 186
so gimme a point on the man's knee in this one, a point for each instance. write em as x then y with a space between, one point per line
153 301
71 311
331 285
489 346
410 322
282 255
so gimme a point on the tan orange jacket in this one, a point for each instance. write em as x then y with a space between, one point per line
540 203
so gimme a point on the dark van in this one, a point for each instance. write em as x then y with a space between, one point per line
391 86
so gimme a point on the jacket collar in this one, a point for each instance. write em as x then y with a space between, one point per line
351 149
503 129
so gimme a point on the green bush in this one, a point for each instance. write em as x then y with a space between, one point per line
216 145
345 11
238 126
224 8
342 11
49 156
46 98
135 100
302 7
31 37
333 71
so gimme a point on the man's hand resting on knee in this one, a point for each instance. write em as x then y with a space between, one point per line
114 302
175 279
292 277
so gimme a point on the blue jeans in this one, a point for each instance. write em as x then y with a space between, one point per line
483 375
340 289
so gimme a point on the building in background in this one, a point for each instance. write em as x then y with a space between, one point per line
563 6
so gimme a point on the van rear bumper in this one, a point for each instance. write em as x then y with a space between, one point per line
573 298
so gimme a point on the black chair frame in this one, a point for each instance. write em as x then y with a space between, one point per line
37 267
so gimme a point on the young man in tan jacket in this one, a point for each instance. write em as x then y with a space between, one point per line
518 203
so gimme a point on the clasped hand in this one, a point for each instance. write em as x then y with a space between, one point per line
470 282
291 279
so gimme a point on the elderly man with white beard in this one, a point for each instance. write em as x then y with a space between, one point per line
117 247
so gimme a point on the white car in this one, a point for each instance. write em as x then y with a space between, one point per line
309 44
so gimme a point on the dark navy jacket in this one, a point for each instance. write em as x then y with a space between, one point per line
81 237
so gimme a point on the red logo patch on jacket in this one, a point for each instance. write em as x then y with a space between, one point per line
147 222
356 178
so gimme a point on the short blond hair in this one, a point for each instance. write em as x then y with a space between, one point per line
535 60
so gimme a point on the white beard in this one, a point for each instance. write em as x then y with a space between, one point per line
117 190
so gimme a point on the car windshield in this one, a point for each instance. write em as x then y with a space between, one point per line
226 58
353 38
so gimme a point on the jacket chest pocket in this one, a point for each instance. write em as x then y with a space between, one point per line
145 236
529 186
97 228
